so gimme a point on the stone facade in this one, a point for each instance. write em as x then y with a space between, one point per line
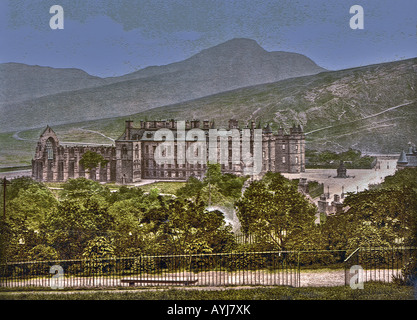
56 162
132 157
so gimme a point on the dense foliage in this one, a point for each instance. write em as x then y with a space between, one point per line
353 159
385 215
86 219
273 209
90 160
215 187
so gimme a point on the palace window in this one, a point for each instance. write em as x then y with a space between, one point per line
137 151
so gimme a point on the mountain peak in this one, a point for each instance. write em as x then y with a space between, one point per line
239 43
243 62
236 63
232 48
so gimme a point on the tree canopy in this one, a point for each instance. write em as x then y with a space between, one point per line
275 211
91 160
215 187
86 218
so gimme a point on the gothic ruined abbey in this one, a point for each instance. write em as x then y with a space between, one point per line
133 155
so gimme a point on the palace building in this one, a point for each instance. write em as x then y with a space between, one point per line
133 156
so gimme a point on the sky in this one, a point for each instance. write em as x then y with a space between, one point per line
111 38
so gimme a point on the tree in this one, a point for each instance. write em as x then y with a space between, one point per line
21 183
42 252
274 211
124 193
127 231
31 206
83 188
406 177
215 188
98 254
384 215
231 185
28 206
98 248
75 222
90 160
191 188
213 176
190 222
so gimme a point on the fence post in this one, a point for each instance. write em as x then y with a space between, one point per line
298 270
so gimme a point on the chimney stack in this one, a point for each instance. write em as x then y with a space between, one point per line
128 129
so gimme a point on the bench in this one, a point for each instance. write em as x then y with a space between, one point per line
185 282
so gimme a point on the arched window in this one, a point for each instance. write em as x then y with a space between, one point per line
50 149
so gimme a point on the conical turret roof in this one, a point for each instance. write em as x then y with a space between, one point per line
403 158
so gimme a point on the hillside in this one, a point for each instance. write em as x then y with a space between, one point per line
20 82
372 109
77 96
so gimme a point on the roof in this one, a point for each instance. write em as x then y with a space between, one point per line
149 135
412 160
402 158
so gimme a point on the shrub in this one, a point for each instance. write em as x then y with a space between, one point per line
42 252
99 253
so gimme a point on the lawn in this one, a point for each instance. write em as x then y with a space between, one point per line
163 186
371 291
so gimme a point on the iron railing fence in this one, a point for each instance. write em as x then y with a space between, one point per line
286 268
242 268
383 264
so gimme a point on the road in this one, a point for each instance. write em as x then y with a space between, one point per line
367 117
358 180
